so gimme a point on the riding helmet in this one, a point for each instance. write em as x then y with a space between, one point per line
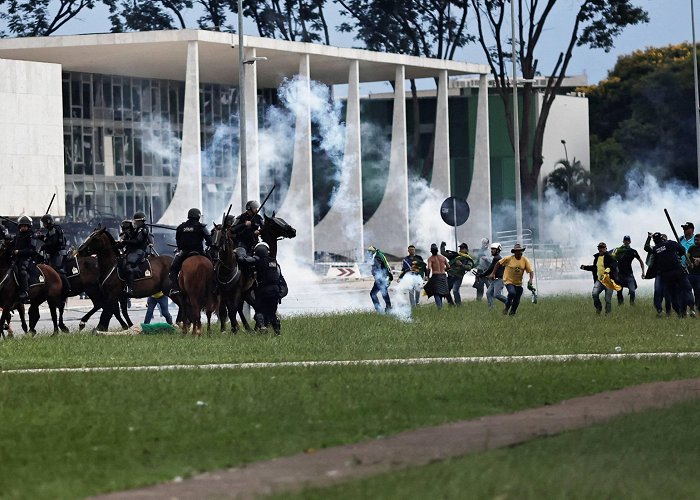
252 205
194 213
230 219
262 249
47 219
24 221
139 218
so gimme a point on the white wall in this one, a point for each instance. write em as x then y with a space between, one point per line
568 120
31 138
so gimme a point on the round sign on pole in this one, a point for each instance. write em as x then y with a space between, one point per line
454 211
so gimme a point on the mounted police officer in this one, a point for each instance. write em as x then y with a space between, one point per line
246 228
24 254
135 241
189 237
54 248
271 287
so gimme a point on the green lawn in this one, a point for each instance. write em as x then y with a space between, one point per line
554 326
647 456
67 435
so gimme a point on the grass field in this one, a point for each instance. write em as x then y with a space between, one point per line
67 435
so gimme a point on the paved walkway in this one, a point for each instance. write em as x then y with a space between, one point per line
418 447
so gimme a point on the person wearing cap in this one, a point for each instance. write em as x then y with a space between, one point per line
687 239
460 262
495 285
624 255
693 261
667 266
436 286
604 268
382 278
413 265
483 261
514 267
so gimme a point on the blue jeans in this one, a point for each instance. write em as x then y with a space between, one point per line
513 300
381 285
598 287
162 304
631 285
454 282
495 291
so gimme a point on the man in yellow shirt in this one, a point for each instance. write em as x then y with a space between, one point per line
514 267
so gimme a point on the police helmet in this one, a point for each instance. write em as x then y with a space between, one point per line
230 219
47 219
24 221
262 249
139 219
194 213
126 224
252 205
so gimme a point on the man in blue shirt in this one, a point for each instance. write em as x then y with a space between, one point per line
687 239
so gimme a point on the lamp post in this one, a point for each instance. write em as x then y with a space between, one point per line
697 95
516 132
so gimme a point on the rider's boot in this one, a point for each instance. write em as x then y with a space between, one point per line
173 282
24 288
66 285
129 285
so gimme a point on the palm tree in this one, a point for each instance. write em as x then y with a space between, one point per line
574 180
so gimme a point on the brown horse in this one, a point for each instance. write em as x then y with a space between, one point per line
101 244
229 278
50 290
236 292
197 293
87 281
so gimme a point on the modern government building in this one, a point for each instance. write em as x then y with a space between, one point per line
114 123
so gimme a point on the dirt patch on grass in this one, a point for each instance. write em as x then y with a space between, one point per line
419 447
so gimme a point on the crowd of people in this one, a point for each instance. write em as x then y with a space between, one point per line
673 265
441 275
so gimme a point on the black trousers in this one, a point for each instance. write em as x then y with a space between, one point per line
266 313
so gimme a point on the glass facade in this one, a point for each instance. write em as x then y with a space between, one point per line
122 140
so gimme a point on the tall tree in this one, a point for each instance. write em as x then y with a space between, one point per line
596 24
429 28
642 117
148 15
293 20
40 17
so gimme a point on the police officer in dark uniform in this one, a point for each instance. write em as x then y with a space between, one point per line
54 248
267 293
667 266
189 237
24 254
246 227
135 242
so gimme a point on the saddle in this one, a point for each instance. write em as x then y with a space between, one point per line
35 276
71 266
143 270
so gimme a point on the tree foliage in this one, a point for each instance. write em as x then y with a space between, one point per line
40 17
596 24
148 15
642 116
572 181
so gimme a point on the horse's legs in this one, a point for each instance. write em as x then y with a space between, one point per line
33 318
222 317
124 306
61 324
22 318
107 313
54 316
5 320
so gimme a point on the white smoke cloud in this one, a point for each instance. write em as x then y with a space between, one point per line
426 225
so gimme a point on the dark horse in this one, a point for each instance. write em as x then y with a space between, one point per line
101 244
50 291
236 287
197 293
87 281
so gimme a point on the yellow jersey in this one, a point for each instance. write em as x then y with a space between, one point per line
514 269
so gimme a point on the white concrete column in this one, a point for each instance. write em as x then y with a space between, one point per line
388 227
298 205
479 224
250 187
341 231
441 156
188 193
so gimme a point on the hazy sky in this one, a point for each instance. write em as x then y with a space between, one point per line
670 23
